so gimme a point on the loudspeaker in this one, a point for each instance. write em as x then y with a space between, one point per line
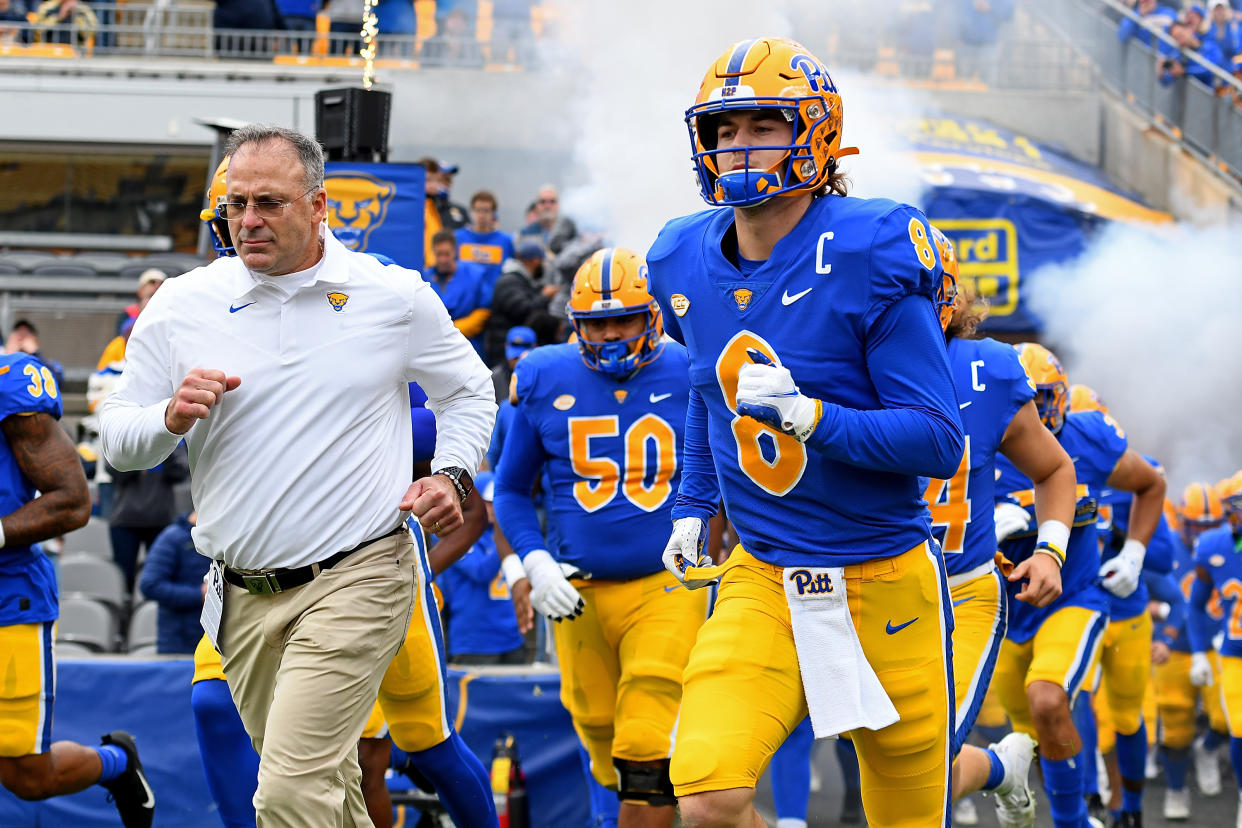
352 123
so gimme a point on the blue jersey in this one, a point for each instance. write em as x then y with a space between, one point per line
1095 443
488 250
613 452
463 294
1114 523
991 386
27 577
476 599
844 302
1209 623
1219 551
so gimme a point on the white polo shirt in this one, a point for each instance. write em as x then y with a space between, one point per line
312 453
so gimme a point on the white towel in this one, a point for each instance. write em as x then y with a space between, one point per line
842 691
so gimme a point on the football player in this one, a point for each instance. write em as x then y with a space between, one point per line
606 414
1177 698
821 392
1050 651
1218 565
43 494
996 402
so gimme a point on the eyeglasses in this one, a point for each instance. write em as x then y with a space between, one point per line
547 201
265 209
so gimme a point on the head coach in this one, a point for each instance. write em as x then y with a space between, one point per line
285 370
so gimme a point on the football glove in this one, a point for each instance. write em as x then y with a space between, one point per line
1200 670
551 594
685 549
1010 518
1120 575
766 392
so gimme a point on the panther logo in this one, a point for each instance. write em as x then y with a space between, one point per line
357 204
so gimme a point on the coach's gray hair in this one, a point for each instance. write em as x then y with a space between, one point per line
308 150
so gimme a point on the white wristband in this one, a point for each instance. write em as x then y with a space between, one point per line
2 543
1055 534
511 567
1134 548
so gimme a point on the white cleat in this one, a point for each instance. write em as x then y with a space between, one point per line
1152 769
1015 803
1177 804
1101 777
1238 822
1094 823
965 812
1207 769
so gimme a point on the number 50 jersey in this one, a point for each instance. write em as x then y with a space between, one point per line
613 450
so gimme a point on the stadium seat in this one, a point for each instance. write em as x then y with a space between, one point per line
144 650
93 577
143 626
87 622
173 264
25 260
73 649
63 266
8 269
93 539
104 264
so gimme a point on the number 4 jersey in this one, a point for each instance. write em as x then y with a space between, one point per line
991 386
845 303
27 577
613 452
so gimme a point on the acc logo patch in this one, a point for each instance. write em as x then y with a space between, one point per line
1217 560
742 296
338 300
680 304
564 402
357 204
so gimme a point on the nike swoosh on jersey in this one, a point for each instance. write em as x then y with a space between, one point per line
670 589
239 307
655 398
963 405
890 629
964 600
786 299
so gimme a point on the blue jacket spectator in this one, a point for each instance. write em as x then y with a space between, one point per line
247 14
980 21
480 242
1224 30
461 286
1154 16
173 578
1174 63
482 628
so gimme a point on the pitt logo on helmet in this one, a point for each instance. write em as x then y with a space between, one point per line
338 300
357 204
811 584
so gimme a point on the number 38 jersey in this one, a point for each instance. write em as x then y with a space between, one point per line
844 303
27 577
613 455
991 386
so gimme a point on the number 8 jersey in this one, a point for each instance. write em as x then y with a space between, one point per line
613 450
27 577
845 302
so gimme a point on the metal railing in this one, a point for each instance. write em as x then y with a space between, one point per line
1207 119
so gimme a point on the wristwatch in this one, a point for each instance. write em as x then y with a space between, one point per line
462 481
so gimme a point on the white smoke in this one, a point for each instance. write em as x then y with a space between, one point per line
1150 318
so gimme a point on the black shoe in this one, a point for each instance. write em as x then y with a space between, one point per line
1129 819
131 792
1097 810
851 807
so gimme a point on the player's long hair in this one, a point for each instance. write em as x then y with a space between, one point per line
969 311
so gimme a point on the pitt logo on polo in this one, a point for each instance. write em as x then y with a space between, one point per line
338 300
808 584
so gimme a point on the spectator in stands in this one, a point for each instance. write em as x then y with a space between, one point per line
518 343
25 338
481 242
438 212
454 43
1173 62
345 25
299 16
452 215
513 38
979 27
173 578
1224 29
149 282
521 297
396 19
69 21
550 227
1154 16
142 505
481 626
249 15
12 12
461 286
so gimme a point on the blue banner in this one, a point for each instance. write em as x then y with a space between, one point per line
378 208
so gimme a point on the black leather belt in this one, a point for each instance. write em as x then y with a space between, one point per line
271 581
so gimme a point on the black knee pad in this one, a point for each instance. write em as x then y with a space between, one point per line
645 782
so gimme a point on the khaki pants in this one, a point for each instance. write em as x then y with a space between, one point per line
304 667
